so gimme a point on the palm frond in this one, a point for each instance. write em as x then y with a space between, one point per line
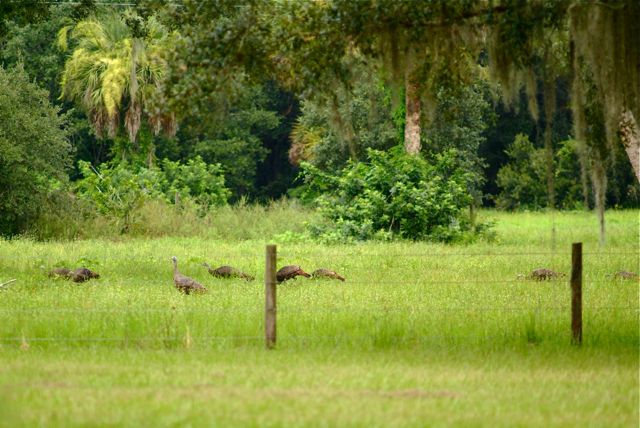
110 70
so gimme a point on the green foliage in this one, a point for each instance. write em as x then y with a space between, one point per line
461 116
21 12
569 190
34 151
234 136
33 45
392 195
522 180
65 217
246 131
113 66
197 180
328 133
119 190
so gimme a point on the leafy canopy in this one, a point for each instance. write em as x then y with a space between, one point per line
34 151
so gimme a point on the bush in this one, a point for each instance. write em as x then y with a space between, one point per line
202 182
391 195
119 190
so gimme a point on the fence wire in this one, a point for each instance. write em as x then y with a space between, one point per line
216 257
288 310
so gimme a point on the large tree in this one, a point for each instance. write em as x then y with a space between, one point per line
34 151
116 72
423 45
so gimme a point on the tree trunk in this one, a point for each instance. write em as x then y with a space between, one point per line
599 179
630 137
412 117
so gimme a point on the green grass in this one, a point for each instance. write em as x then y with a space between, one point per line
420 334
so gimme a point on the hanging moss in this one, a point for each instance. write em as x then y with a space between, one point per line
606 38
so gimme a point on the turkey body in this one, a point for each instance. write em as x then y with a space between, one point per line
290 272
60 272
183 283
326 273
228 272
543 274
83 274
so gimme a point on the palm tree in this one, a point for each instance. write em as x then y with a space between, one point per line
113 74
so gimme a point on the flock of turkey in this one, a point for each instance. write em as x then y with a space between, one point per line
187 285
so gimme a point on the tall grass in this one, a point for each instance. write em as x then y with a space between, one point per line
419 334
397 294
155 219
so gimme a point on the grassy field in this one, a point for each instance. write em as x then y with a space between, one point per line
419 334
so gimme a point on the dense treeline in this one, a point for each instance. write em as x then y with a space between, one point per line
107 107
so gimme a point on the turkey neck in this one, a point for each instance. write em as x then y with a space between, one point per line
175 268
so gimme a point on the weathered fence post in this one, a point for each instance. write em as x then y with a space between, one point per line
576 293
270 297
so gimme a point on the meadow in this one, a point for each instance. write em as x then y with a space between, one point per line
420 334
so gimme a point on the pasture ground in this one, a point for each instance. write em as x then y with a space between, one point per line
419 335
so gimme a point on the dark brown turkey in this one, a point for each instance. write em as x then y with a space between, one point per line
83 274
227 272
60 272
543 274
184 284
326 273
290 272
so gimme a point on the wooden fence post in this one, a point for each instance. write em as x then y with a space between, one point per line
576 293
270 297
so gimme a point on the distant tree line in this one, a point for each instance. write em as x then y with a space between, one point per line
244 94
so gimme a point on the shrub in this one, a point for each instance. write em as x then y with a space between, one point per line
117 190
391 195
120 190
202 182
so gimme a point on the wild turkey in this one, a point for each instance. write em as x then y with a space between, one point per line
60 272
290 272
326 273
184 284
83 274
227 272
543 274
625 275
